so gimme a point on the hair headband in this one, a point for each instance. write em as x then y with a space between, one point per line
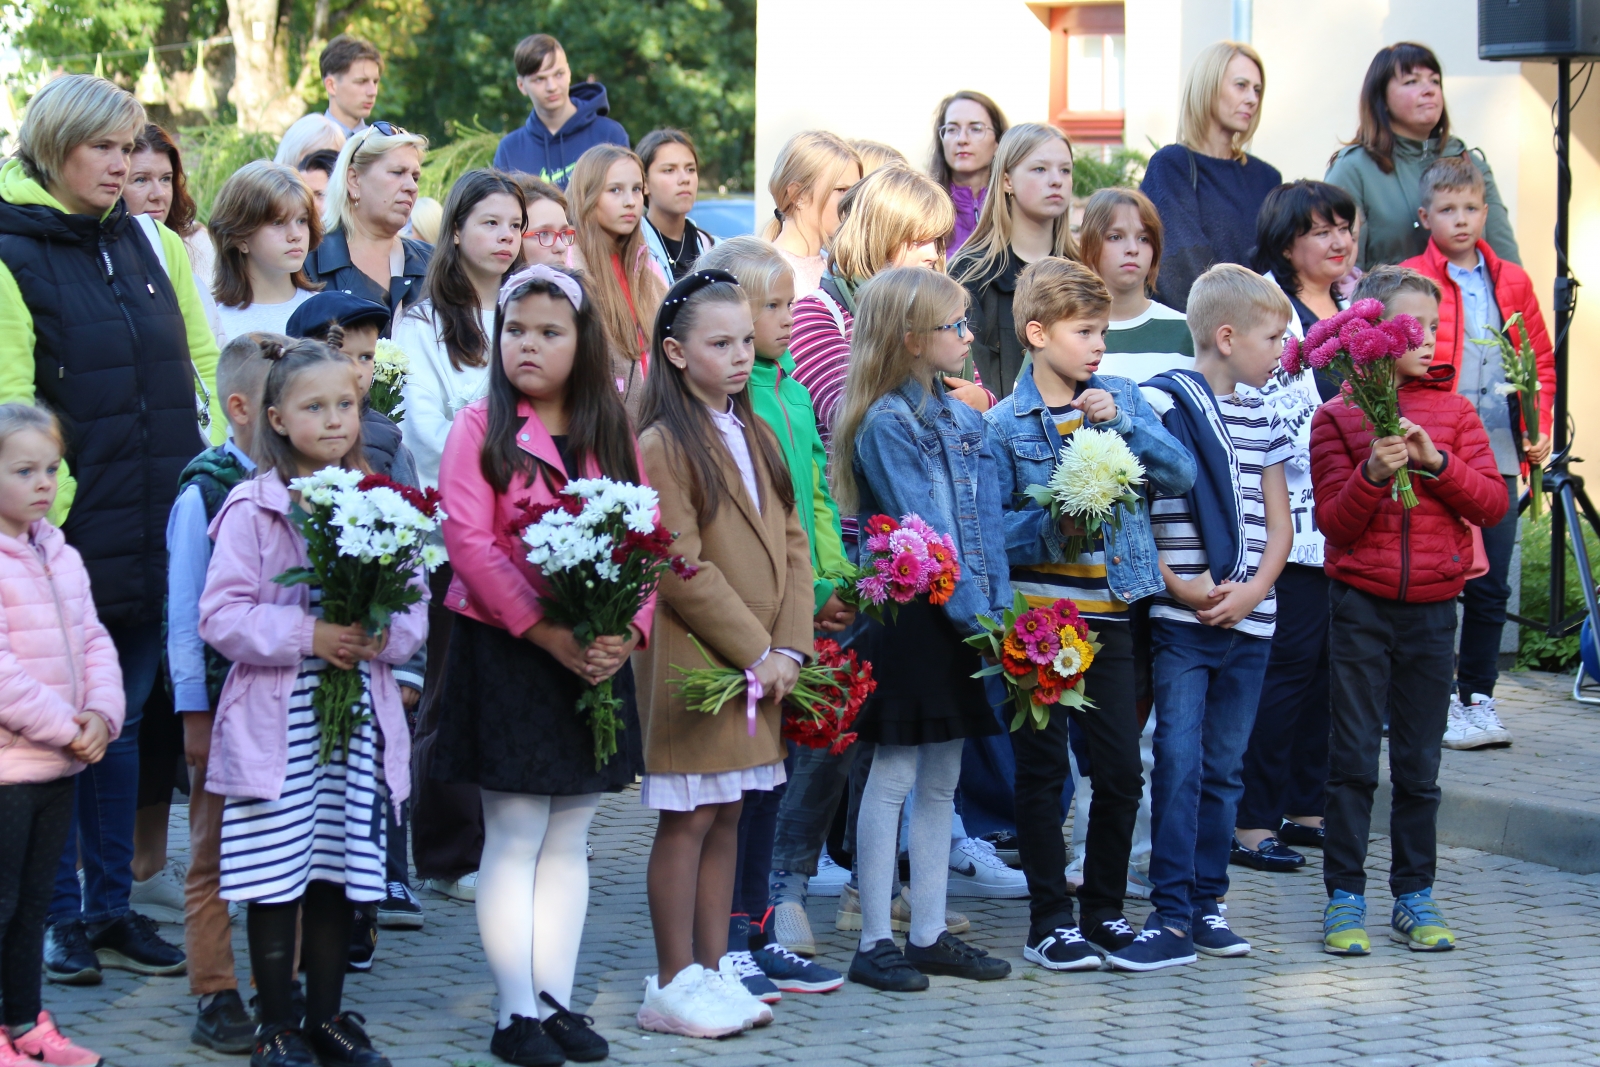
539 272
684 289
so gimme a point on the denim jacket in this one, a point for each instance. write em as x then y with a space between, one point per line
1029 444
928 454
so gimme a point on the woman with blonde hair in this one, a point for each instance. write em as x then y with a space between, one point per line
368 203
606 193
876 154
1024 218
1206 187
809 176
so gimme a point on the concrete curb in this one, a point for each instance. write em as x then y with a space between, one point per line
1553 832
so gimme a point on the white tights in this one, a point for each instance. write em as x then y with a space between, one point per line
533 894
933 769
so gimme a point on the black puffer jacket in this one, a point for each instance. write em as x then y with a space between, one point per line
996 349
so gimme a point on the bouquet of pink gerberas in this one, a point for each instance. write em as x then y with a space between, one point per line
1361 346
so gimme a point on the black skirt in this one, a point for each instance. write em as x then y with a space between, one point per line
926 693
508 720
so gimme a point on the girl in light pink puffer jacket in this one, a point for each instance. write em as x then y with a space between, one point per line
61 703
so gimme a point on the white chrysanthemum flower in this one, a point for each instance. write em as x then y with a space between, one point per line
1096 470
432 557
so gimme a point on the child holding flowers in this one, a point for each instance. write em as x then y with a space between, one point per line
1062 310
514 676
1396 573
903 446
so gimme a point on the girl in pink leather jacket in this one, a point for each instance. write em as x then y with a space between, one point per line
61 703
299 837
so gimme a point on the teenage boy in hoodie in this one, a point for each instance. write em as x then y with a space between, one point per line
566 119
1479 293
1396 574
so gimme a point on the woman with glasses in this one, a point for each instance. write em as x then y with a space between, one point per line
966 131
369 201
549 236
671 183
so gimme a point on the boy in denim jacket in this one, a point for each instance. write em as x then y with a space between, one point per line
1062 311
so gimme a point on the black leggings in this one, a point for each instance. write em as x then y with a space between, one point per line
325 918
34 820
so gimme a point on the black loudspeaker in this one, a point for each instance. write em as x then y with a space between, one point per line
1538 29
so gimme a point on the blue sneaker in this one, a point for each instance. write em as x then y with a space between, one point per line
1155 948
1344 931
793 974
1211 934
1418 922
738 965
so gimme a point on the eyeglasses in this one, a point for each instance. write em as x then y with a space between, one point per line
551 238
951 130
959 326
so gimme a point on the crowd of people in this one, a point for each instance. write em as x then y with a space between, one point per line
895 342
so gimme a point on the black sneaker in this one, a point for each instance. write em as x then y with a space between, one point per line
224 1025
1300 836
954 957
341 1042
884 967
297 1004
68 959
526 1044
1005 846
1271 855
363 938
1109 935
279 1045
572 1032
399 909
130 943
1155 948
1212 936
1063 950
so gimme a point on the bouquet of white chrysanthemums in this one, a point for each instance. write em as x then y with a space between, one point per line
602 553
1096 473
368 539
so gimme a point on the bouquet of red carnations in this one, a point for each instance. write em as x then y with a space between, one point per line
904 560
1361 346
822 718
1041 654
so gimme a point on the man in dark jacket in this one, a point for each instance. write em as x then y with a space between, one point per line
566 121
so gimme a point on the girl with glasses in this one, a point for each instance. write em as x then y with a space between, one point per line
548 237
967 129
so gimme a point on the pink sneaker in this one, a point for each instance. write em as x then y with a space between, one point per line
9 1056
48 1045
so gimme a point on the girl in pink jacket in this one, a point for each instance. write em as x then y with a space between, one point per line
300 838
61 703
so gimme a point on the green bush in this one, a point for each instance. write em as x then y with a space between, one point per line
212 153
1091 173
472 147
1537 650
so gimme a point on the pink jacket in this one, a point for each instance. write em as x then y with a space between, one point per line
265 629
494 582
56 659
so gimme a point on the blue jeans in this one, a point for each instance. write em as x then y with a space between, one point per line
1207 682
107 795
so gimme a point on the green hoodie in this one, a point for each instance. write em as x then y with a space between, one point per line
1390 232
786 406
16 322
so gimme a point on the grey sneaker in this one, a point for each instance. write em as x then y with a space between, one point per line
1484 716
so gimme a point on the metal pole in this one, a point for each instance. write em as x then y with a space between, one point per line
1563 295
1243 21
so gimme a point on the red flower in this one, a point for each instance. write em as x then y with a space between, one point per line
425 501
881 524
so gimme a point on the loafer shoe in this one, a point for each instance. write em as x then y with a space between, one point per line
954 958
1301 836
884 967
1271 856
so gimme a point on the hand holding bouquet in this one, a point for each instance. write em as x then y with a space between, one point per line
602 554
1361 347
1095 473
367 538
391 367
818 712
1521 370
904 560
1041 654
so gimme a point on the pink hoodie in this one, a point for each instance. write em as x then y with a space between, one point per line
265 629
56 659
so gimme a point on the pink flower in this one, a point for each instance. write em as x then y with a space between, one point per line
908 540
905 569
914 523
1369 309
1399 337
1323 354
1320 331
1370 346
878 542
875 588
1290 360
901 592
1350 331
1414 334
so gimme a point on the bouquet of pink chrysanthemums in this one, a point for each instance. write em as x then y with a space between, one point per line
902 561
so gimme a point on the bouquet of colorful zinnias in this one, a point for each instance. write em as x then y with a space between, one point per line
367 538
904 560
1041 654
1096 473
1361 346
1521 369
390 368
602 554
823 704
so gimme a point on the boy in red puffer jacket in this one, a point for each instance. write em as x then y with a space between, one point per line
1480 293
1396 574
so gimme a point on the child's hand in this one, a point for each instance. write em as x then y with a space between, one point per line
606 655
1070 527
559 642
971 394
1419 447
1230 603
1388 455
93 737
834 616
777 674
336 645
365 646
1193 592
1097 405
409 697
197 736
1538 452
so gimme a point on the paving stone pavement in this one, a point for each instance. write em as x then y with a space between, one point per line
1556 750
1524 988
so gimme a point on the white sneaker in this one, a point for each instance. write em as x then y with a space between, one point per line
1461 731
160 897
1139 885
685 1008
828 879
463 888
1483 715
725 983
1075 876
977 871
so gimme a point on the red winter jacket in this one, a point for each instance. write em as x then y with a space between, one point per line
1374 544
1513 291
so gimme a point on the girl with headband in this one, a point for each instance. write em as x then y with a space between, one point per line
508 716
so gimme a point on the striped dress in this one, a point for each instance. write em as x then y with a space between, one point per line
328 823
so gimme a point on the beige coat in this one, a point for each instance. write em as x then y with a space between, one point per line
753 592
